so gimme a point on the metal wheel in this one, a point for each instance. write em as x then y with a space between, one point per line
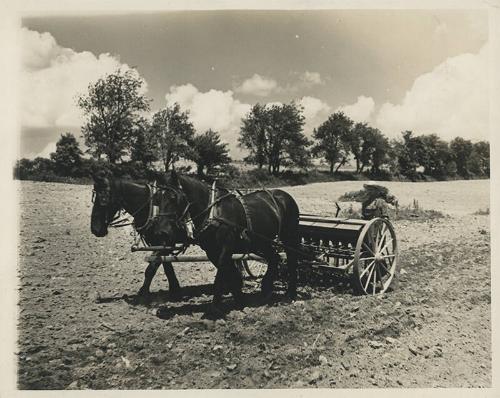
254 269
375 258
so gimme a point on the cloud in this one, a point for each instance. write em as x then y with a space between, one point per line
315 113
311 78
451 100
214 109
257 85
360 111
44 153
52 76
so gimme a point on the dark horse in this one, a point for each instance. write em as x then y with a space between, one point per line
225 224
113 195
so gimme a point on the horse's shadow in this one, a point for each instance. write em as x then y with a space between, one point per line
167 305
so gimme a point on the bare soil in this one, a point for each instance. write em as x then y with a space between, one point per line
77 331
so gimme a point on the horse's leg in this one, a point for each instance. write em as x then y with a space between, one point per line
267 283
226 274
291 265
148 276
291 243
174 288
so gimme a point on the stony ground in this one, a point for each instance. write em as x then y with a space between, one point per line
76 330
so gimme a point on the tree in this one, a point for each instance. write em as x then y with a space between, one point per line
112 108
23 169
373 148
142 149
253 135
410 153
209 152
354 140
461 150
479 160
332 143
437 157
171 134
275 136
67 157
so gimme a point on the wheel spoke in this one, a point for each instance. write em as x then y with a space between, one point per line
366 269
382 231
366 258
382 240
369 249
386 245
382 263
374 279
369 277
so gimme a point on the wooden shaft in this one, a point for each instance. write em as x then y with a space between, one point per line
201 258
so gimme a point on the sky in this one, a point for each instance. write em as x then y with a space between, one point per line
419 70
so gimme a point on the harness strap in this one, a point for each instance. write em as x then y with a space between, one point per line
276 209
246 210
152 209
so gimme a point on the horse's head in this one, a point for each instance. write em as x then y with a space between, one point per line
106 203
174 206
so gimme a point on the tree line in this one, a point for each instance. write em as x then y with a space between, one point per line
119 134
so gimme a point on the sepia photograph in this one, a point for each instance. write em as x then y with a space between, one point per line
250 198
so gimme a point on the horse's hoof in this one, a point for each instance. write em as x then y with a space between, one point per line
291 295
266 295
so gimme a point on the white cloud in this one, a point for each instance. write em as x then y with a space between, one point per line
51 78
257 85
214 109
451 100
360 111
315 112
311 78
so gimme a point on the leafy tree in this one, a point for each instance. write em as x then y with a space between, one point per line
374 148
67 157
171 135
23 169
142 149
42 166
479 160
410 153
332 143
354 140
437 157
273 135
209 152
112 108
461 150
253 135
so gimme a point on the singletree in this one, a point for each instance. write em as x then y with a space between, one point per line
67 157
209 152
171 135
332 143
112 108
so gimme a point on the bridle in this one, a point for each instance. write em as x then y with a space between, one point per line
105 198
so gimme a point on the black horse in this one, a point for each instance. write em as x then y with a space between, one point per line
111 195
225 224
